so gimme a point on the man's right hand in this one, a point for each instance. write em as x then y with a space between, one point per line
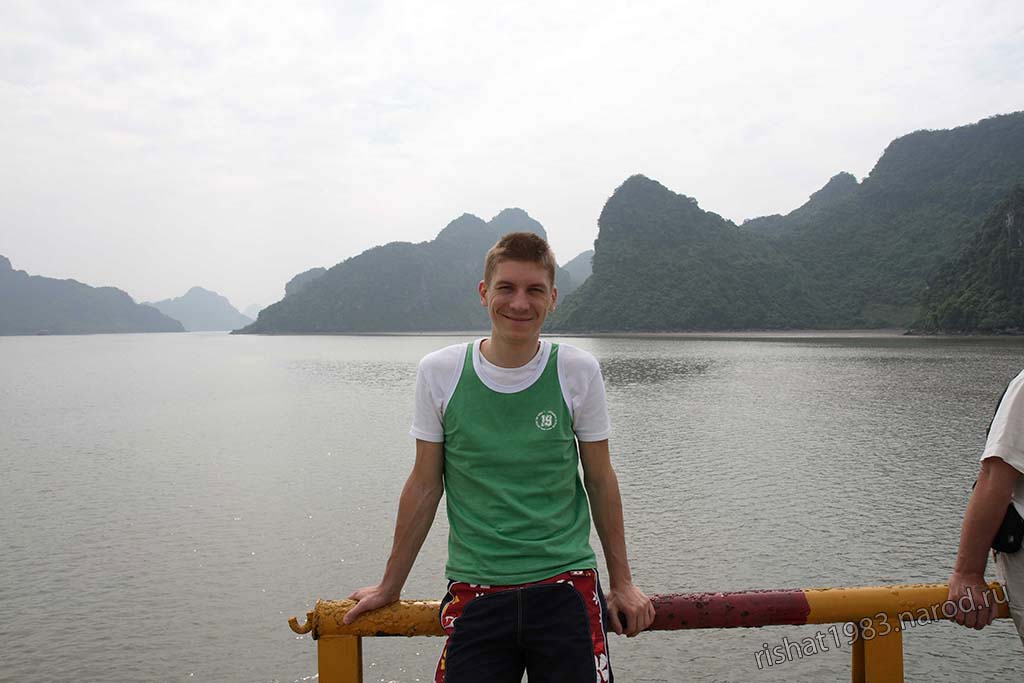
976 606
370 598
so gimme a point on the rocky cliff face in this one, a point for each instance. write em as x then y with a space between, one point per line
982 288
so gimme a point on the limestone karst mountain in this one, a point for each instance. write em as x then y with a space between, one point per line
400 287
32 304
202 310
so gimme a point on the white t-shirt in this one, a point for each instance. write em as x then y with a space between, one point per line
578 374
1006 437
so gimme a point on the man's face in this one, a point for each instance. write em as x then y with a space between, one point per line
518 299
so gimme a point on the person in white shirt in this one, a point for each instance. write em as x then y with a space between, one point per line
502 425
1000 485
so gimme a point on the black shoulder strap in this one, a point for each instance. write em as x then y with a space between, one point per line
998 403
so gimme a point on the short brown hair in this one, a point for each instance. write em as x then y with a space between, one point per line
520 246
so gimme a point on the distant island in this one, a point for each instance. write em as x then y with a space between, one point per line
875 253
202 310
399 287
32 304
579 268
931 240
856 255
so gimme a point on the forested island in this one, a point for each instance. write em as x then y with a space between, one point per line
930 240
399 287
32 304
856 255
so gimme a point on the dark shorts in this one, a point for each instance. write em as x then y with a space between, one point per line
553 629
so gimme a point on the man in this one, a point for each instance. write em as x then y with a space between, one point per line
999 483
497 423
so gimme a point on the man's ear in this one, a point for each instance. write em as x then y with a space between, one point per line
554 299
482 289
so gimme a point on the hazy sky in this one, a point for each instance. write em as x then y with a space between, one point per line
158 145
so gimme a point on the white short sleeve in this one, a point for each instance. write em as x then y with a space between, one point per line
583 390
1006 437
436 378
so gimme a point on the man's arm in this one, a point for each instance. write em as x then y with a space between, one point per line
985 512
606 508
416 510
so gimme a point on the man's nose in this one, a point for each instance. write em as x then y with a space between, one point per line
520 301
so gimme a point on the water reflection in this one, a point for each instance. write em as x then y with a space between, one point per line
378 374
623 371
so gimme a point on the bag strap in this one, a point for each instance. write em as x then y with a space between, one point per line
998 403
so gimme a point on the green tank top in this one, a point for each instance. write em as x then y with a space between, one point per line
517 510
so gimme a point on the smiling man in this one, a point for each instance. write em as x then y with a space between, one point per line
501 425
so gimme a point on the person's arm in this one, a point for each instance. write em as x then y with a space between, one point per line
606 508
985 512
416 510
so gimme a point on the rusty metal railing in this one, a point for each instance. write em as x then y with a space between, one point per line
875 618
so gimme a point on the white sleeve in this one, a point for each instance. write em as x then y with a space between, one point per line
583 391
436 377
1006 437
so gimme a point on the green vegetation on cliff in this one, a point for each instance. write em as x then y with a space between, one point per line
982 289
400 287
662 263
854 255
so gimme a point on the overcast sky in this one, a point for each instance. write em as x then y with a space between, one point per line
154 146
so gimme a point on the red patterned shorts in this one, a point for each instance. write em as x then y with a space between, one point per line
554 629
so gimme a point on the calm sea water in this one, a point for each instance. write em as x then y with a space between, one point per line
168 501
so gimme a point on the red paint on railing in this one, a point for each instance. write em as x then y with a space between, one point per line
729 610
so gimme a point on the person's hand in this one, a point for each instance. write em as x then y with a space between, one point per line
976 606
370 598
634 607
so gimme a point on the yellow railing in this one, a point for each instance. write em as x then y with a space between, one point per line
878 615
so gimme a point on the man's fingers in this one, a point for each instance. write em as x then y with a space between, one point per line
985 617
351 615
613 621
638 621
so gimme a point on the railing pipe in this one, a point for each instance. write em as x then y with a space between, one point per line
878 613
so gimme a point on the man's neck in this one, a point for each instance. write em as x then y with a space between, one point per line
507 354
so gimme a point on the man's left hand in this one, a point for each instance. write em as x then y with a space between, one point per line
630 603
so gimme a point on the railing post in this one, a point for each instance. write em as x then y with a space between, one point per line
878 652
340 659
